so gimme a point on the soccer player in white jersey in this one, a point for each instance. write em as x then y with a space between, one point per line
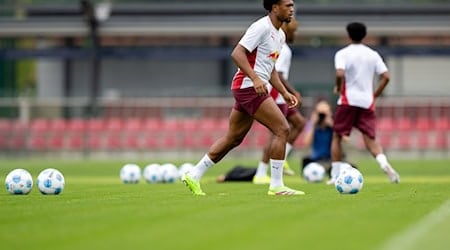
295 119
356 65
255 55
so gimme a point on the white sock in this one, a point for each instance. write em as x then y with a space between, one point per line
288 149
204 164
382 161
276 173
261 171
335 169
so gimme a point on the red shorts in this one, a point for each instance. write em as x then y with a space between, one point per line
247 101
284 109
347 117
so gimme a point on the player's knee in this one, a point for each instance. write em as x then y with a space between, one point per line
282 131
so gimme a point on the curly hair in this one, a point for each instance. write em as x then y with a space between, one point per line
268 4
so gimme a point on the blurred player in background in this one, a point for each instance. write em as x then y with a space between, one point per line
356 65
295 119
255 55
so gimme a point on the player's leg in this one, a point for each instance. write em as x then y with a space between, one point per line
240 123
261 176
366 124
297 123
271 116
343 124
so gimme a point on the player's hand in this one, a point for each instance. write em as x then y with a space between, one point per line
290 99
336 90
260 87
299 99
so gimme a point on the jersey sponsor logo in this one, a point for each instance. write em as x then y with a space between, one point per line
274 56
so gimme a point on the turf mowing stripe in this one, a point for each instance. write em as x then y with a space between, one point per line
408 238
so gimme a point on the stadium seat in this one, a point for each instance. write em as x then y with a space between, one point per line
113 142
131 141
40 125
55 142
152 125
190 125
75 141
385 139
76 125
442 124
423 140
58 126
17 142
385 124
94 141
114 125
6 126
403 124
150 142
423 124
96 125
441 141
38 142
133 125
404 141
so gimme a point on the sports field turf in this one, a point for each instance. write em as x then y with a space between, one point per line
97 211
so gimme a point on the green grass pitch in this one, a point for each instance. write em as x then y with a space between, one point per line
97 211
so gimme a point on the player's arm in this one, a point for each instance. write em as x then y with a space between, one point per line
340 77
290 99
239 56
291 89
382 83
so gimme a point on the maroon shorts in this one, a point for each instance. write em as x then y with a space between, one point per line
347 117
247 101
291 111
284 109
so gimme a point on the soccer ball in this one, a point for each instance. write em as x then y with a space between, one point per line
152 173
314 172
169 173
184 168
50 181
349 181
130 174
19 181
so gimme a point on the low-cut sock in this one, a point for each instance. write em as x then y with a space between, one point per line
382 161
202 166
261 171
335 169
276 172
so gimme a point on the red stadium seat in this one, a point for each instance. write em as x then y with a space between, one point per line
442 124
37 142
76 126
131 141
6 126
423 140
113 142
58 125
403 124
441 141
385 124
114 125
152 125
150 142
423 124
404 141
96 125
55 142
75 141
17 142
95 142
133 125
40 125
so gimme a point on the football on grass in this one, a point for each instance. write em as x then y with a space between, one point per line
50 181
19 181
349 181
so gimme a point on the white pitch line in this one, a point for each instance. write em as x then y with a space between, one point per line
408 238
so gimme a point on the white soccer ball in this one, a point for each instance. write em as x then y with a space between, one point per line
19 181
152 173
130 173
50 181
349 181
314 172
169 173
184 168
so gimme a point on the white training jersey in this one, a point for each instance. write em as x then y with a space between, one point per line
264 42
360 64
282 66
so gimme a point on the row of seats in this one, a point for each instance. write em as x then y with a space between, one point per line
154 134
186 124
